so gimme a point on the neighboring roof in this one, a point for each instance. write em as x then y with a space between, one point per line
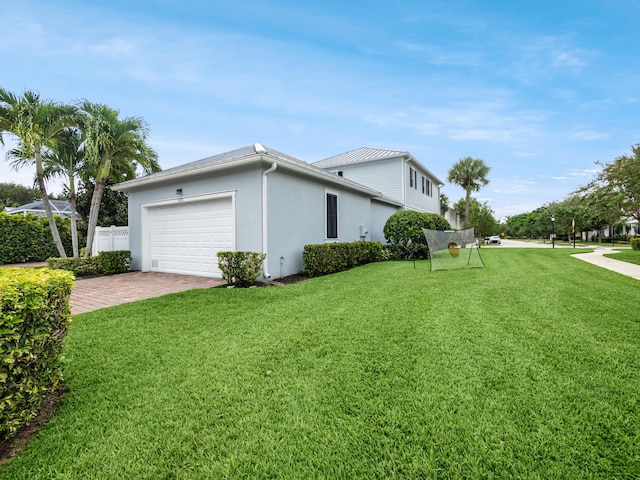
365 155
249 154
59 207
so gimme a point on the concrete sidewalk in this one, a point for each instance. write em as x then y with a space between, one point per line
597 258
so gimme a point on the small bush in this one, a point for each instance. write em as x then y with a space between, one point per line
326 258
240 268
403 231
635 243
117 261
78 266
34 316
106 263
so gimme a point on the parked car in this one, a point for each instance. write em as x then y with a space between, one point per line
492 239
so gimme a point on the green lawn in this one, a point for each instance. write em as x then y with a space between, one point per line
631 256
528 368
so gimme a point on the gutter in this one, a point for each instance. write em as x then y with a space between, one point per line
265 262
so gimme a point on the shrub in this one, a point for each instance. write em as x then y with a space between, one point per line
240 268
34 316
635 243
117 261
106 263
78 266
403 230
326 258
27 238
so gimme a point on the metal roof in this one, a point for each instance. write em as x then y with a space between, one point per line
250 153
359 155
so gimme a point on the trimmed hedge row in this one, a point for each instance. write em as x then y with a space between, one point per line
240 268
27 238
326 258
635 243
106 263
34 317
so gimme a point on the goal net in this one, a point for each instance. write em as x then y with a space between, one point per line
451 249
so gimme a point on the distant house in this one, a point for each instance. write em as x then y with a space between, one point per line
250 199
396 174
59 207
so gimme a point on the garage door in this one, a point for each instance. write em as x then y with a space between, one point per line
186 237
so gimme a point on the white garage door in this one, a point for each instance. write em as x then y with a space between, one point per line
186 237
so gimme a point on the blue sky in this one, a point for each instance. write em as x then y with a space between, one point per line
539 90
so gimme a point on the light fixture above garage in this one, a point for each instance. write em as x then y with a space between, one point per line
179 192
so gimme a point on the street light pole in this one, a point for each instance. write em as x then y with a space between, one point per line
553 235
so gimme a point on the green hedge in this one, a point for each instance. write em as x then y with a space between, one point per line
326 258
27 238
403 231
34 316
635 243
106 263
240 268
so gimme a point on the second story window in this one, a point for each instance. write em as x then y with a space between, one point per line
413 178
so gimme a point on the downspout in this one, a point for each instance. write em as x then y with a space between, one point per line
265 262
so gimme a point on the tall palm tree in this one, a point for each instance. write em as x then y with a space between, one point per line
470 174
112 144
65 158
34 122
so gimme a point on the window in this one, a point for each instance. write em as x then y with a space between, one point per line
424 185
332 215
413 178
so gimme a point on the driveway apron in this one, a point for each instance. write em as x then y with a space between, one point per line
90 294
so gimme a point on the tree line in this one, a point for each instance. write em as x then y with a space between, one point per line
87 144
611 199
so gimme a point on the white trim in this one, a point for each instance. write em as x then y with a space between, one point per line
145 234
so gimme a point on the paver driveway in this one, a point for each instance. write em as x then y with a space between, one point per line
93 293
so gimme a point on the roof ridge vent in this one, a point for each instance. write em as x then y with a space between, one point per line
259 148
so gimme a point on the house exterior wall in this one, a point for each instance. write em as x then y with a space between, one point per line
245 182
385 176
380 213
414 198
390 177
297 217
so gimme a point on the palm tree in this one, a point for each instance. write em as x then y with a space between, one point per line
112 145
471 175
34 123
66 158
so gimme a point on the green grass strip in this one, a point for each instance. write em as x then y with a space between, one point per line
528 368
630 256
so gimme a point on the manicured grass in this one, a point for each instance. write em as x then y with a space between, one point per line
528 368
631 256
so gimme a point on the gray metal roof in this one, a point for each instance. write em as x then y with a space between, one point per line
250 153
359 155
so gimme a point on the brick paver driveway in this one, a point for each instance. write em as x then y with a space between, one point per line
93 293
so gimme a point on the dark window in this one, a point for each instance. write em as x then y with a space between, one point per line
424 185
413 178
332 215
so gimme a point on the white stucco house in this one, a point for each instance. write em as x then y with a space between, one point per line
250 199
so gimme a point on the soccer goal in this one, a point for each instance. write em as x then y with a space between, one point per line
451 249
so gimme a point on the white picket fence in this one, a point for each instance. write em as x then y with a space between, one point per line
108 239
